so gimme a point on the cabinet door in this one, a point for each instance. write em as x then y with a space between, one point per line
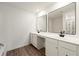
70 53
66 52
62 51
51 48
40 42
34 39
51 51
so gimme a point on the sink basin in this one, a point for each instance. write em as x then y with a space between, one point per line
61 35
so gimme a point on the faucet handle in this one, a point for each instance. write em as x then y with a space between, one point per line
62 32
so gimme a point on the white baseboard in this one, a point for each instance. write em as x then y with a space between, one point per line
18 46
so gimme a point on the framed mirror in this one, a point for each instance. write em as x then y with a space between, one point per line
41 23
63 19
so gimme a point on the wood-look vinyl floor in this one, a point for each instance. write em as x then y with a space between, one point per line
29 50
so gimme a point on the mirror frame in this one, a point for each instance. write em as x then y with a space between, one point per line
61 8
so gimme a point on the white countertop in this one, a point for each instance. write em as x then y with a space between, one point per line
74 39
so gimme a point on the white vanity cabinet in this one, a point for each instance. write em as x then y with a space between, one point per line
34 39
51 46
56 47
37 41
67 49
66 52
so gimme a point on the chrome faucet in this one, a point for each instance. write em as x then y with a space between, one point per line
62 33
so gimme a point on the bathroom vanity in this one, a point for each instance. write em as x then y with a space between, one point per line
62 19
56 45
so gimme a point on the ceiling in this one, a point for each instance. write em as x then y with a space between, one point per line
30 6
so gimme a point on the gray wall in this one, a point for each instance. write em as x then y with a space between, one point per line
15 26
55 25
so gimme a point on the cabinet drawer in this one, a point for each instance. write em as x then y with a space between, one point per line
68 45
51 41
66 52
34 39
